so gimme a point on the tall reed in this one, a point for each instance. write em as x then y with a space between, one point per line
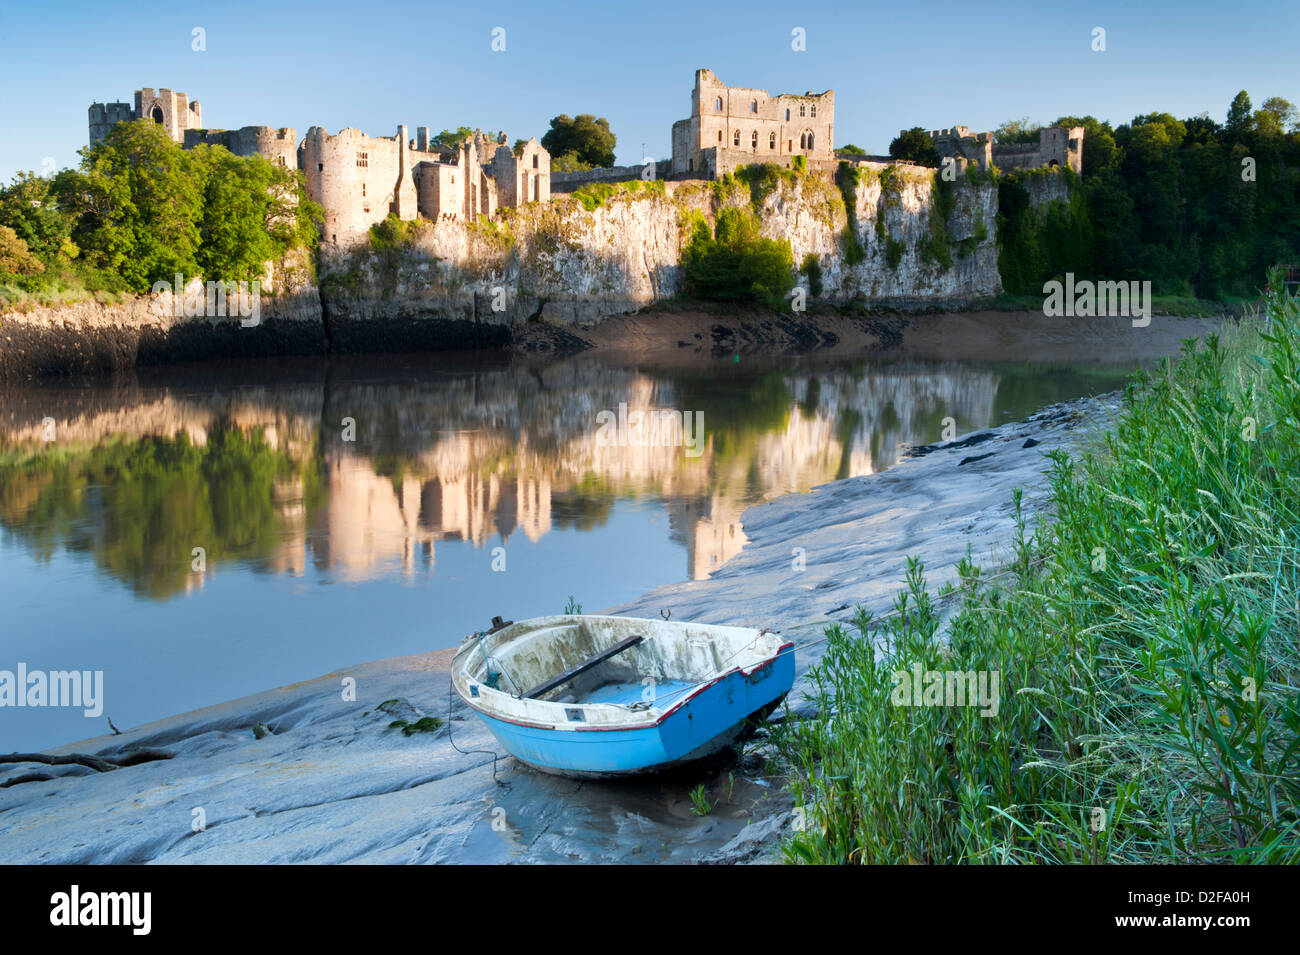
1144 639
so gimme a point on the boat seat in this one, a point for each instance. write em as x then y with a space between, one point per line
580 668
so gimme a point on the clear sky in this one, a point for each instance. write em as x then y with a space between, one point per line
376 65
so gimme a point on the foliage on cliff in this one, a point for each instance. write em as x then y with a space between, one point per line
734 263
1194 206
141 209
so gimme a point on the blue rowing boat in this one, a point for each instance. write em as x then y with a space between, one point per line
597 696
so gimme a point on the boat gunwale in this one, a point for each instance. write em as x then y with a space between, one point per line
470 644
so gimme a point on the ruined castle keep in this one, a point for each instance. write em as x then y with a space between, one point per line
1057 146
175 112
358 179
731 126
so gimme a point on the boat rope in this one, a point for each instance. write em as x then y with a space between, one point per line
469 752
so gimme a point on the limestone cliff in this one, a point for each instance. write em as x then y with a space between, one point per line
566 263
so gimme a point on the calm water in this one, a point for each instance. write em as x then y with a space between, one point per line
355 510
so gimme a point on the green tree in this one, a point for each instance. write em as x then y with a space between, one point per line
137 200
1275 117
1239 117
733 262
915 145
15 257
589 139
27 207
1014 131
452 138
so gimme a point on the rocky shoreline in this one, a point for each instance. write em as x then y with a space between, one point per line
303 774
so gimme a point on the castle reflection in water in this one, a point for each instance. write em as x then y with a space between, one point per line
381 471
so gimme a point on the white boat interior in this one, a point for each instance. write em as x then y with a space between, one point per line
585 659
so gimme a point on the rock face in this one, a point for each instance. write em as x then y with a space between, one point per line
452 284
91 337
566 264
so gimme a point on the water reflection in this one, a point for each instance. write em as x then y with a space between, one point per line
368 475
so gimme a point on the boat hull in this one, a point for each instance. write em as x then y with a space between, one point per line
711 719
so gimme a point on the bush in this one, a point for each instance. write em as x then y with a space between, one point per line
734 263
812 267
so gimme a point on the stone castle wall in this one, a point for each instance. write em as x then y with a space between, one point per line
280 146
752 123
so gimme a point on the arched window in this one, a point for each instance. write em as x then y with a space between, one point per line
787 116
717 104
719 135
753 106
803 140
735 138
814 109
156 114
753 140
771 141
810 141
802 107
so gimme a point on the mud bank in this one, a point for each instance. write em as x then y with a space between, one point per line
330 780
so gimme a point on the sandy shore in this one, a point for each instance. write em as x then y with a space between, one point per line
331 782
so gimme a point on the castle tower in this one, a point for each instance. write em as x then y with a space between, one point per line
175 112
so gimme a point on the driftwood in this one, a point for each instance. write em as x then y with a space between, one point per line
100 764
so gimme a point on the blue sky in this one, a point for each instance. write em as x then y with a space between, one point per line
375 65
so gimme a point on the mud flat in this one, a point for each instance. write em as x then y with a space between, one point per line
330 780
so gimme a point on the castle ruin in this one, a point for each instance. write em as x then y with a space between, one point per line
358 179
732 126
1057 146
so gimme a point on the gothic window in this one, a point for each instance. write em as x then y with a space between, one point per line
771 141
156 114
810 140
753 106
363 160
801 109
753 140
814 109
735 138
717 104
803 140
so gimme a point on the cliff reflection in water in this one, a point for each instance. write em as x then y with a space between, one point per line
365 476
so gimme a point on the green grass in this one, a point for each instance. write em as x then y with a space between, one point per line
1145 641
700 804
594 195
